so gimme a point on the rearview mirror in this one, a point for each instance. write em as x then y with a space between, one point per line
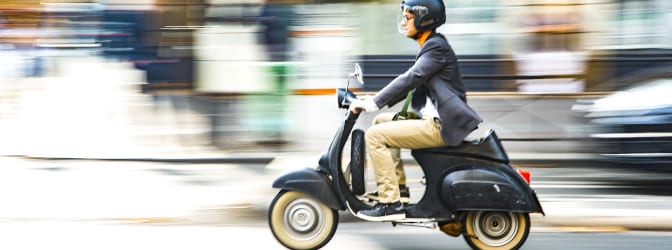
344 95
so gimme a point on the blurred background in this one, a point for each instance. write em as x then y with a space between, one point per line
578 90
194 75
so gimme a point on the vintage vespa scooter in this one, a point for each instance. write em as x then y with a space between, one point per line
470 190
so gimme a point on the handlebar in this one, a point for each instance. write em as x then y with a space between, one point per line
352 116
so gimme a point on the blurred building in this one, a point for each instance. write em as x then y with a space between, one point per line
158 35
602 40
610 38
208 54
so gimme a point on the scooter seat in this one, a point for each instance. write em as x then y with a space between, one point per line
479 134
481 143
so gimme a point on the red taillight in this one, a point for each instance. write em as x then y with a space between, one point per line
525 174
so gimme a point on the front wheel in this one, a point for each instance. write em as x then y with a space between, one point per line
494 230
299 221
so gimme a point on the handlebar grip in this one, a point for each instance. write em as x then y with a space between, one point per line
352 115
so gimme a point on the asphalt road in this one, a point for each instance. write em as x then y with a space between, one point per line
95 235
81 204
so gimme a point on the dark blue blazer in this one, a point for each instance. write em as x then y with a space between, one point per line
436 74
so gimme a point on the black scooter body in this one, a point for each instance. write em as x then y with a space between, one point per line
472 176
311 182
470 190
327 175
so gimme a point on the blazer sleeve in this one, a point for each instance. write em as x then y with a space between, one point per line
430 60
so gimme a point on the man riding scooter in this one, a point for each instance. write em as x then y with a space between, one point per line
434 87
471 189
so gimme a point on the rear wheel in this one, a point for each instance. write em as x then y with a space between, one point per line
496 230
299 221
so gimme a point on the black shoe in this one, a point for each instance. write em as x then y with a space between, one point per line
404 192
384 212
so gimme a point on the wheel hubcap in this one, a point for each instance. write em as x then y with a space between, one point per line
303 218
495 228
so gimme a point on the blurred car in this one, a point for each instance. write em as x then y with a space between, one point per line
633 126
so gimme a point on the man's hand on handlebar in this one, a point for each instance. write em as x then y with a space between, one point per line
357 106
364 103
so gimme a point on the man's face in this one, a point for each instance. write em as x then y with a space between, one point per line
407 24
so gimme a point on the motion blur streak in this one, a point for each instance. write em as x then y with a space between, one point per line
212 75
150 79
559 80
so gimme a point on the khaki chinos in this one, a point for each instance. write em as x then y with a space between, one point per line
385 138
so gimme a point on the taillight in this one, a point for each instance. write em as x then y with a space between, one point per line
525 174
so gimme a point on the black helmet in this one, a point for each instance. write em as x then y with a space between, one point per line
429 14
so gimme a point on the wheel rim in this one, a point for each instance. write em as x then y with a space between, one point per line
303 219
299 221
495 228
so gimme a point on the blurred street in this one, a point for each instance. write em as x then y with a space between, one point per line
83 204
95 106
161 124
154 165
573 196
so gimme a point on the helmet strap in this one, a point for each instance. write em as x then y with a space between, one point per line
418 35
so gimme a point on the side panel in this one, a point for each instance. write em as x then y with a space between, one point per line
486 188
490 149
310 182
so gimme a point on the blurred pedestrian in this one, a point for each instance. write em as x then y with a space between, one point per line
275 23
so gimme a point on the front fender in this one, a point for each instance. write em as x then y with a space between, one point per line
311 182
484 188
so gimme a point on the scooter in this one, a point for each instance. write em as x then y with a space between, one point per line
470 190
